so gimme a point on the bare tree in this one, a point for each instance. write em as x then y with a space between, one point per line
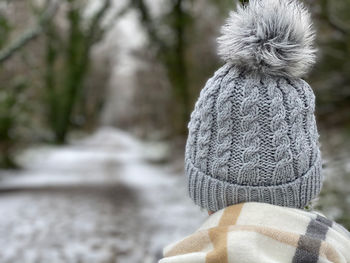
11 107
67 64
171 53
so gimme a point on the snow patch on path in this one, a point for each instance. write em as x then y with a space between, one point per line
97 200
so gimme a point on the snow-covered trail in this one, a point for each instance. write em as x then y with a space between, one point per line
97 200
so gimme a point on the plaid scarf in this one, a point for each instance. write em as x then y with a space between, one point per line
257 232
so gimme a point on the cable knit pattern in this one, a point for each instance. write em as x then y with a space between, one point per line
224 129
297 133
195 122
205 130
206 116
249 173
310 121
283 171
253 138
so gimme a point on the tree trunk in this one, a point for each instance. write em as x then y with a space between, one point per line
178 71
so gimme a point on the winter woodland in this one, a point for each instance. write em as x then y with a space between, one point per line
95 97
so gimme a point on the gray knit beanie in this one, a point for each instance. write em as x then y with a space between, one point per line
252 134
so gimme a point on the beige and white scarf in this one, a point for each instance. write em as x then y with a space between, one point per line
257 232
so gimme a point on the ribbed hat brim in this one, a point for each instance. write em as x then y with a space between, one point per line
213 194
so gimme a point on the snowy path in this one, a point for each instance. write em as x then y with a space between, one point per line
97 200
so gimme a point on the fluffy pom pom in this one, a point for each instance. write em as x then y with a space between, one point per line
273 37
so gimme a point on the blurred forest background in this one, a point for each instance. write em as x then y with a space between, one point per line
68 67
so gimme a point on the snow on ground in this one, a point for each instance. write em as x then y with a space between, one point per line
97 200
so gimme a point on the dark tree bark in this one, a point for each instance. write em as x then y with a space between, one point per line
172 55
65 94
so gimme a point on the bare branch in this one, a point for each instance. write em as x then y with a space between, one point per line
31 33
120 13
95 24
147 22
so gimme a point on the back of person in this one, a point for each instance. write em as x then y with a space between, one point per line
252 154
